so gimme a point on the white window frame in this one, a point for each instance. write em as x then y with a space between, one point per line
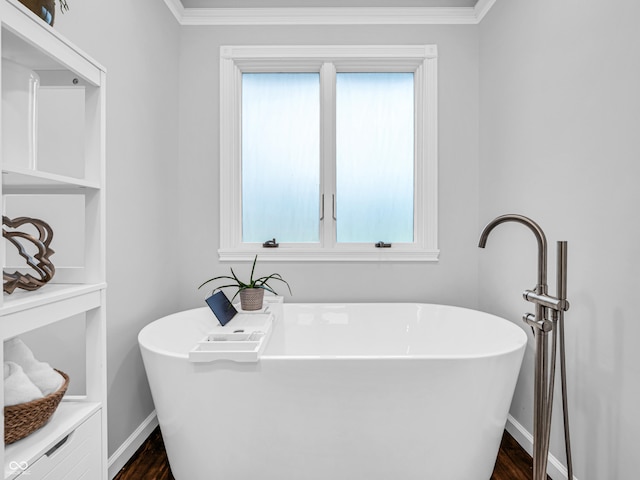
328 60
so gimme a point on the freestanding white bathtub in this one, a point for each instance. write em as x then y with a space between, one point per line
342 392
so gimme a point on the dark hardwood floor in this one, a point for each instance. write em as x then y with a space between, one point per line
150 461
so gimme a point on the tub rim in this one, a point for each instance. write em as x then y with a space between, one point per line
407 357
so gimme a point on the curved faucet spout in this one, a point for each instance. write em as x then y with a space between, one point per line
540 237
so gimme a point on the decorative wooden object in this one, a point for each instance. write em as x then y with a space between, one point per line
39 262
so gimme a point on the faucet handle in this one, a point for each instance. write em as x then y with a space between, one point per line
530 319
543 325
545 300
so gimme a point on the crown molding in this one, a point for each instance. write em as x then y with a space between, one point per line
330 15
482 8
327 16
176 7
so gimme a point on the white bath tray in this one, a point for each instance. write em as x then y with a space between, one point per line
243 340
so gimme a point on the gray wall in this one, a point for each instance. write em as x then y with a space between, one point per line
451 281
138 44
559 142
541 98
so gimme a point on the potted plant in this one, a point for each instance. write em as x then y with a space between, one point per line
252 292
45 9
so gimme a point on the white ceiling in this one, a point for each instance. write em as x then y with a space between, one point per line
326 3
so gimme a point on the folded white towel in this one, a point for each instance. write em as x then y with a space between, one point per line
40 373
18 388
16 351
45 378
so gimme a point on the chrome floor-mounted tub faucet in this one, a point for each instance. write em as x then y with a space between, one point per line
547 320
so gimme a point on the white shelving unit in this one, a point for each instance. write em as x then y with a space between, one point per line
74 442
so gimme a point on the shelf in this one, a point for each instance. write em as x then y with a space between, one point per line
17 50
17 179
61 54
25 311
68 416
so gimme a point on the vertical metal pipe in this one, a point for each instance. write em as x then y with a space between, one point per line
537 405
549 376
565 402
539 395
561 271
562 295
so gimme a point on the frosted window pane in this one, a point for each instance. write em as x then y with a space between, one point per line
374 162
280 157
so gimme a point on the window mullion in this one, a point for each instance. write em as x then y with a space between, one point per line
328 152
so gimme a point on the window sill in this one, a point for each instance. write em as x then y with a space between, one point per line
284 254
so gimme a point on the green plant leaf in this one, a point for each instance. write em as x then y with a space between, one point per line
273 276
268 288
216 278
225 286
241 284
253 269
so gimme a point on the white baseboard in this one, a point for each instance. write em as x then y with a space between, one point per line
122 455
555 469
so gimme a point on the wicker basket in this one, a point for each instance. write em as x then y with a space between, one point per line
25 418
36 7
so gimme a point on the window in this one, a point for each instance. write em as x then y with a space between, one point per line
331 150
374 157
280 157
